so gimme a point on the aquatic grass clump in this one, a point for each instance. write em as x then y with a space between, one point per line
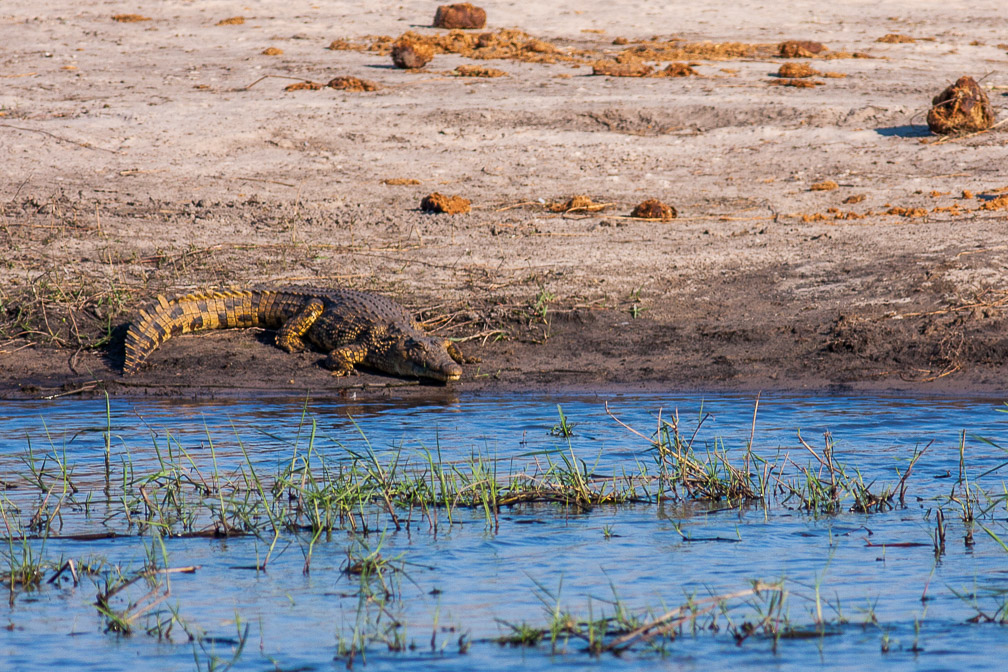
361 491
833 487
688 474
621 630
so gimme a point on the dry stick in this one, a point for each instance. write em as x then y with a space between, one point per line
61 139
296 79
950 138
673 618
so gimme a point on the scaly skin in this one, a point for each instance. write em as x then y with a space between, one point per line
352 327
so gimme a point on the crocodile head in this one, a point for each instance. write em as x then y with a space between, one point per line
422 357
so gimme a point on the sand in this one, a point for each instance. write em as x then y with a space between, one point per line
162 156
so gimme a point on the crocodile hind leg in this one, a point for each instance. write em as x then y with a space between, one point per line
290 337
342 360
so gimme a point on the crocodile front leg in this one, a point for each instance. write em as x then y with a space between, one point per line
456 353
342 360
290 337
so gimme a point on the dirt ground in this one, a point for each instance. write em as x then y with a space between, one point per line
165 155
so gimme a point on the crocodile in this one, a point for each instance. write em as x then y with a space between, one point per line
352 327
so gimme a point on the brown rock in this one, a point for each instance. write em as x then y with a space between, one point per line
130 18
826 185
796 70
801 49
347 83
961 108
272 51
449 205
459 15
411 54
654 209
232 21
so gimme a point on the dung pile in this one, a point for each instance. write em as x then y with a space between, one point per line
409 53
801 49
441 204
460 15
478 71
348 83
578 203
654 209
963 107
792 69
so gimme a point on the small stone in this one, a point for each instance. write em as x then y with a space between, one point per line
232 21
448 205
272 51
961 108
826 185
654 209
460 15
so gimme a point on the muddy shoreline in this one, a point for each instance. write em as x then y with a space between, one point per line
166 156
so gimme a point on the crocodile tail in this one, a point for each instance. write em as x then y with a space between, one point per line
195 312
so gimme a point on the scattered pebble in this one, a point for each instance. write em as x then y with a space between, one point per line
130 18
232 21
826 185
272 51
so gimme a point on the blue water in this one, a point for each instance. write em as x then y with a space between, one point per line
471 577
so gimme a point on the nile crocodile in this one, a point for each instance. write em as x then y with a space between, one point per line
352 327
